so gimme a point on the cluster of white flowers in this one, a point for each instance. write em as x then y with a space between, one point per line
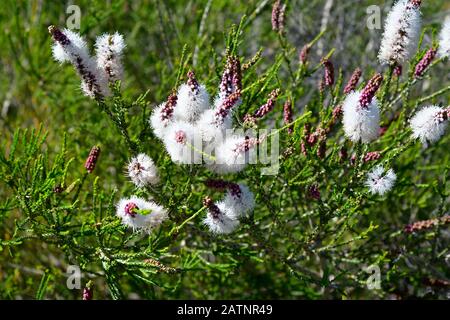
444 39
429 124
140 214
223 216
195 131
142 170
96 73
401 32
380 181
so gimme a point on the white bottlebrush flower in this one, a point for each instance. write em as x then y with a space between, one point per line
70 46
360 124
77 47
159 125
191 102
233 154
219 219
183 143
241 201
444 39
429 124
210 127
162 116
142 170
401 32
140 214
380 181
109 49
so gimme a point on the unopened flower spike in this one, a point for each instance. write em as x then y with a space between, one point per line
142 170
425 62
401 32
287 115
269 105
354 79
109 49
70 46
329 72
92 159
278 15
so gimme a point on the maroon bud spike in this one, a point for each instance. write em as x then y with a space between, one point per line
287 115
167 111
369 90
212 207
321 150
337 112
88 292
268 106
276 10
383 130
329 72
372 156
217 184
131 208
415 3
227 105
351 85
303 149
91 160
192 82
303 56
314 192
426 224
343 155
398 70
220 184
236 73
425 62
58 36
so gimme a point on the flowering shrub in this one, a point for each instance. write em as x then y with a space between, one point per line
178 196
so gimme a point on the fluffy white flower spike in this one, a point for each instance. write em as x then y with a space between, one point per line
193 99
429 124
401 32
142 170
140 214
162 116
361 116
239 201
444 39
218 219
214 123
183 143
70 46
379 182
109 49
234 153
